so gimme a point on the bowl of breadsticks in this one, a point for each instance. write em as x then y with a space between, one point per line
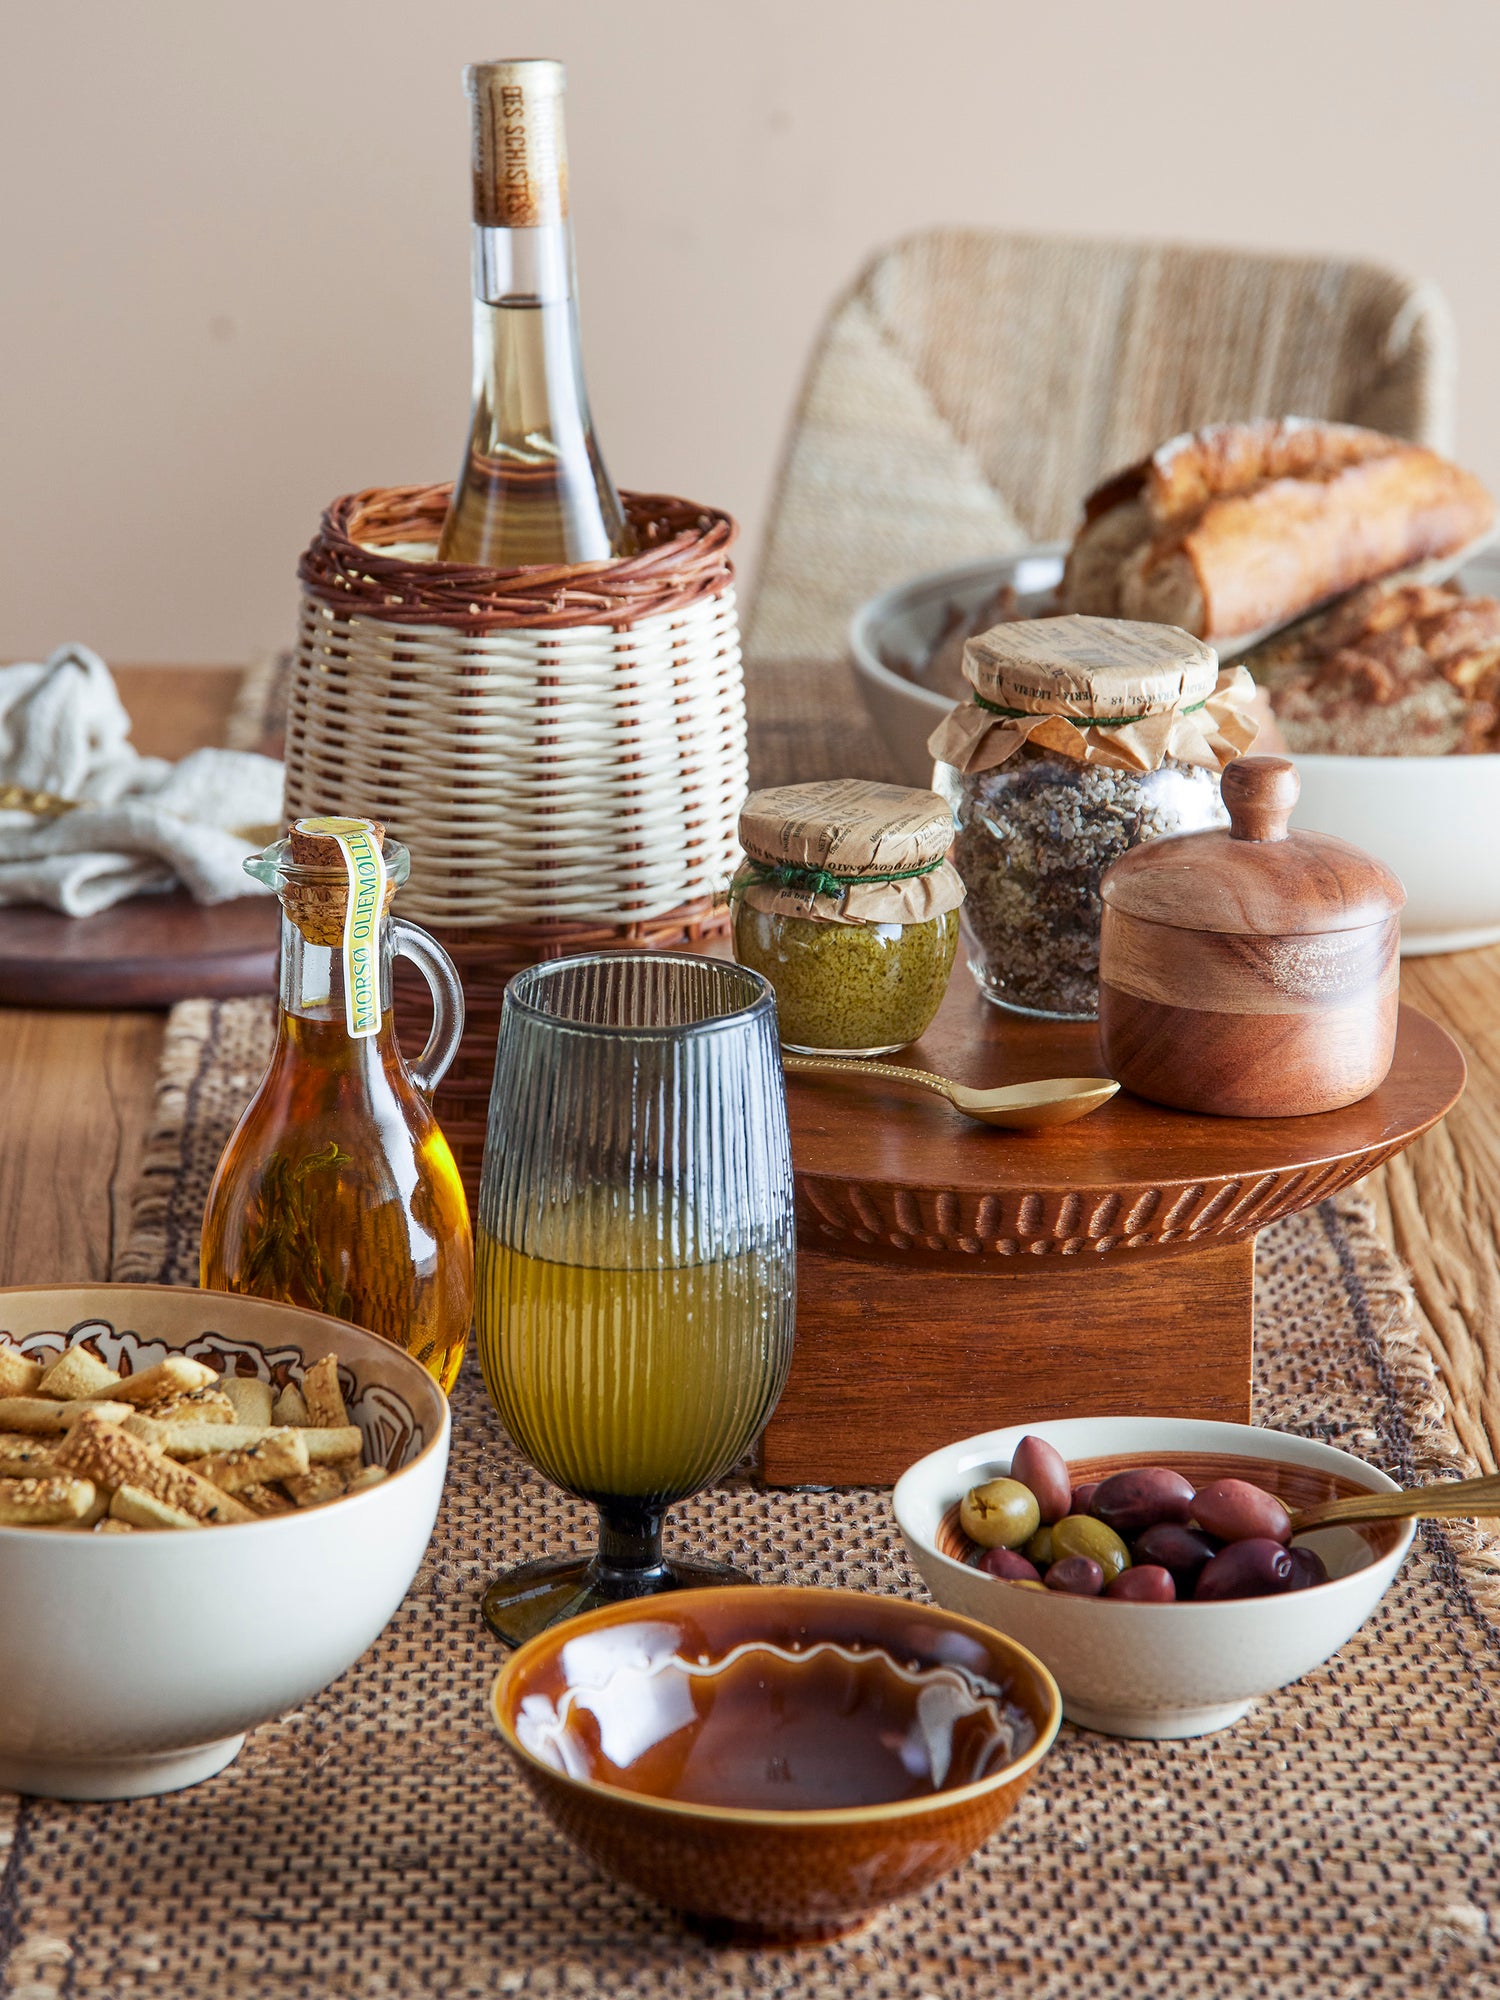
210 1506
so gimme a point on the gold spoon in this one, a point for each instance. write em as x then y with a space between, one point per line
1444 1500
1051 1100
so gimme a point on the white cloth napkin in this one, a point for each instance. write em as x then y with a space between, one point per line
143 824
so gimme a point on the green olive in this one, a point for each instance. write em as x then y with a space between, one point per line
1001 1514
1082 1535
1039 1548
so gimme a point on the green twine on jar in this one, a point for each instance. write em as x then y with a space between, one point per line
818 881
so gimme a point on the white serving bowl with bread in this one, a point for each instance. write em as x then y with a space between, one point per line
1396 513
133 1661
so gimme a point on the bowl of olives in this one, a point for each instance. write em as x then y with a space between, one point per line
1151 1562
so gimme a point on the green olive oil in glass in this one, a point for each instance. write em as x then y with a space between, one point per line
636 1263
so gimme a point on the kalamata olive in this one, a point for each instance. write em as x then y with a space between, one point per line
1144 1583
1001 1514
1042 1467
1009 1566
1082 1495
1236 1511
1181 1550
1039 1548
1081 1535
1308 1568
1256 1567
1130 1501
1076 1576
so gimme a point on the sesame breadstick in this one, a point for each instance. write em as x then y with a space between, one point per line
190 1440
168 1378
141 1510
19 1374
104 1452
75 1375
23 1457
203 1406
291 1407
41 1417
324 1398
250 1397
314 1488
37 1503
270 1455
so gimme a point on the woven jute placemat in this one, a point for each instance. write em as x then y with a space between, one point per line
375 1843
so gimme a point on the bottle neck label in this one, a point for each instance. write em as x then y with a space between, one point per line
364 865
520 154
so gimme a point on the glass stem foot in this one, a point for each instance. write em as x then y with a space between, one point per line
527 1600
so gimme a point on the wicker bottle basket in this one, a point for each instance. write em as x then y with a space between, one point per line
562 750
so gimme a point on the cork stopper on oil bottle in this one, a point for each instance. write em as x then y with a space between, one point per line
318 908
520 154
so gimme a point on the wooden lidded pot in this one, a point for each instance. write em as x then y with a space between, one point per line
1254 972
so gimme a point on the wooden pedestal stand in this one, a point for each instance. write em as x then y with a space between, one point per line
952 1277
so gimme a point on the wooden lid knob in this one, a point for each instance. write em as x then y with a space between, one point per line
1259 793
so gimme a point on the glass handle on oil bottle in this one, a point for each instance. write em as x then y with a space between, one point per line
447 1031
533 487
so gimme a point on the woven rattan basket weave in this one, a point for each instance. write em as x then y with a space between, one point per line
562 750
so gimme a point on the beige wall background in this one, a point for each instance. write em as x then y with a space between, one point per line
234 279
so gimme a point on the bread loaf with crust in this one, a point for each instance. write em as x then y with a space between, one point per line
1239 527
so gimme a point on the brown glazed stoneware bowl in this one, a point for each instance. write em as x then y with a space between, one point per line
776 1762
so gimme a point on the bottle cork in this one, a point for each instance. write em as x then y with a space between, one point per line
520 158
318 909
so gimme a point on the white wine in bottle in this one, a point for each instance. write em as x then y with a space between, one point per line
533 488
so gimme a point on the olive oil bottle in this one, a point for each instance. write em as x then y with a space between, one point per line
337 1189
533 487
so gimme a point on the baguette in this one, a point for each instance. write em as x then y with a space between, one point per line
1241 527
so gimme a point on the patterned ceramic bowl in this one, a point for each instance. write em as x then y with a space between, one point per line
1160 1670
133 1664
782 1762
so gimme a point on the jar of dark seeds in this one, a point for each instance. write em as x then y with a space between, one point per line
848 905
1083 737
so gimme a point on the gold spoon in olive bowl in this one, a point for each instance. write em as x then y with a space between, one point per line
1050 1100
1443 1500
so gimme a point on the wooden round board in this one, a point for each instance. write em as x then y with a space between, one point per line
149 952
881 1170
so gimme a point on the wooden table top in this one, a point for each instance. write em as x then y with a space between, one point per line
76 1096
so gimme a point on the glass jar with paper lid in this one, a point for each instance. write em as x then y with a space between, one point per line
337 1189
848 904
1083 737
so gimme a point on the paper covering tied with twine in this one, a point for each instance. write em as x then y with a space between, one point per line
1106 691
849 851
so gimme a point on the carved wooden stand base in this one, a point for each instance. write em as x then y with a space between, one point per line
896 1357
953 1278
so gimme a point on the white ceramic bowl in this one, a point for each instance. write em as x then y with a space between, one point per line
1435 820
1160 1670
132 1664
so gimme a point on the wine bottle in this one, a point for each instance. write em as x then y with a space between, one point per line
533 487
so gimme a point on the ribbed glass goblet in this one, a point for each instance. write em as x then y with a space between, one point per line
636 1253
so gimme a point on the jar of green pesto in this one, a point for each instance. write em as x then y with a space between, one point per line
848 904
